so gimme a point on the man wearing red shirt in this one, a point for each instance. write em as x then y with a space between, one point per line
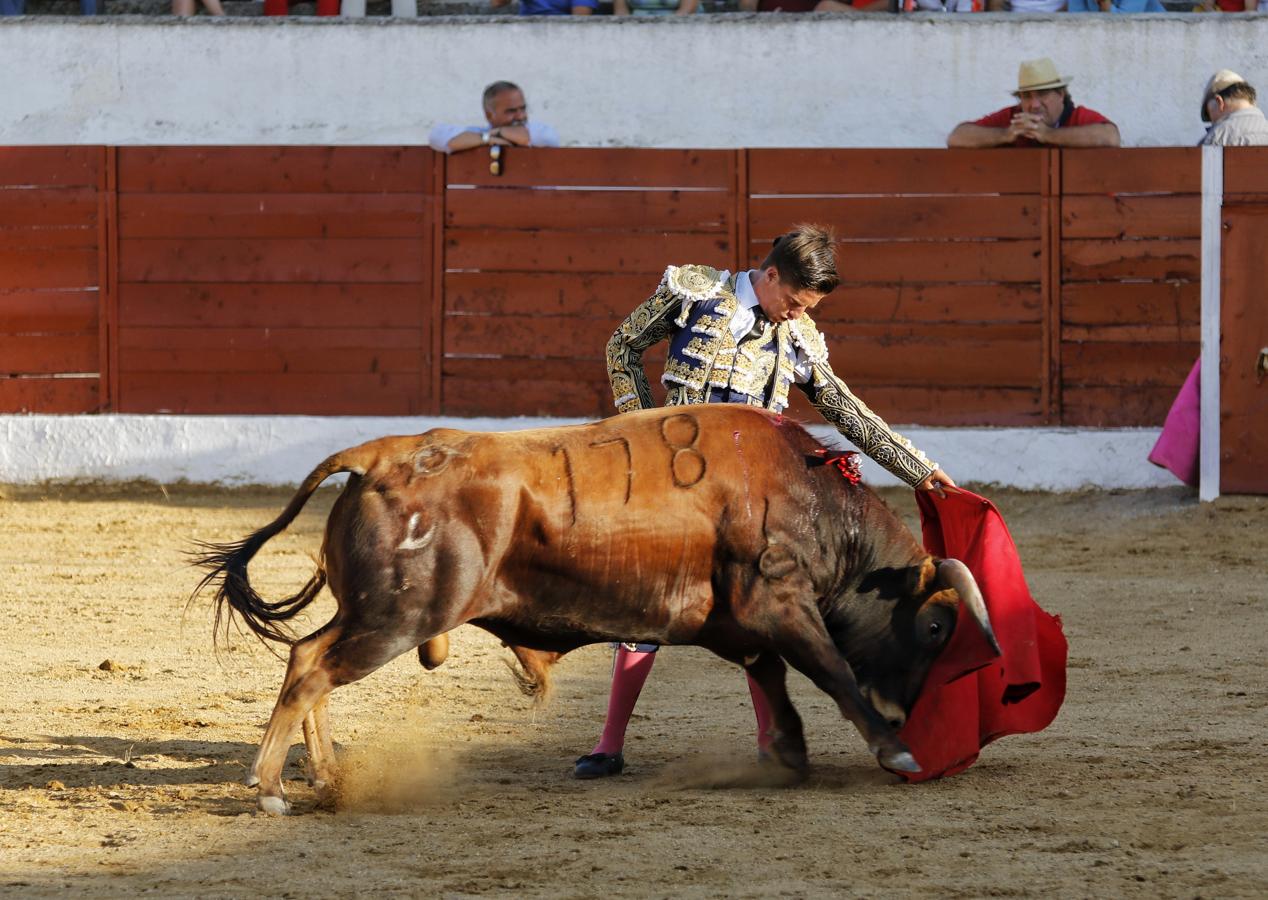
1044 116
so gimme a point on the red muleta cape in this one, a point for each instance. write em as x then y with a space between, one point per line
971 696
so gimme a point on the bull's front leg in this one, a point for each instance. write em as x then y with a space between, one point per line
790 621
789 740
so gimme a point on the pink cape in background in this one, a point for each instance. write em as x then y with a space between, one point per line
971 696
1177 447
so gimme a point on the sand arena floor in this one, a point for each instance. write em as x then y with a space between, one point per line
123 740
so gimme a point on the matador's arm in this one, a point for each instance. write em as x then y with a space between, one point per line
864 428
651 322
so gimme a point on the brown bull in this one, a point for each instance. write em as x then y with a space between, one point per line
712 525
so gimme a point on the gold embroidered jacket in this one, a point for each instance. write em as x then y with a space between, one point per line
692 308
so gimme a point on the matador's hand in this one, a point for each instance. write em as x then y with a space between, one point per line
936 482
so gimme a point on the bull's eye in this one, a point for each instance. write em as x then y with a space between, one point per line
935 629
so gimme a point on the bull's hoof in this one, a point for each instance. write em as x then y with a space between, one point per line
252 780
273 806
900 762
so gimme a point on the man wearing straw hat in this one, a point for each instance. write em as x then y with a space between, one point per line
1043 116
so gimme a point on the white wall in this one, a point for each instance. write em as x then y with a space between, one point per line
283 449
708 81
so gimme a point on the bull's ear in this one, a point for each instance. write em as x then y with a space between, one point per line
892 583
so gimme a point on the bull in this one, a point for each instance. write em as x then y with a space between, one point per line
716 526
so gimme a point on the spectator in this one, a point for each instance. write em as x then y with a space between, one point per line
1116 6
508 125
1232 6
187 7
401 9
1228 103
655 7
552 7
852 6
943 5
789 6
283 7
1044 115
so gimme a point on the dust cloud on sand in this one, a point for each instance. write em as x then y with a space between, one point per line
123 778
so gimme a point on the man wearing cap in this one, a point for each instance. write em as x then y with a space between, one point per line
1044 116
1228 103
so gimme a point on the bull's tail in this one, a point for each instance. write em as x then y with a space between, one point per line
226 564
532 675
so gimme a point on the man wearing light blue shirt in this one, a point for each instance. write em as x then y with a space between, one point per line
508 125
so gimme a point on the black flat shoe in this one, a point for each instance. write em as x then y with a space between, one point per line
599 765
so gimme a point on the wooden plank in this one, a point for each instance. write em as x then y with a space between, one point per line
1243 419
567 337
1177 216
547 294
939 406
1245 172
435 307
62 237
1117 407
49 166
885 171
48 208
596 167
1145 334
271 216
304 170
319 340
1126 364
48 395
235 393
218 305
27 311
47 269
953 356
47 354
108 275
1156 260
925 261
497 397
512 369
955 217
275 358
1135 170
569 251
929 303
652 210
394 260
1161 304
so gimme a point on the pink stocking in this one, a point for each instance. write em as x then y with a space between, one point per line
761 708
628 674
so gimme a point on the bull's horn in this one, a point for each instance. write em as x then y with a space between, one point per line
956 575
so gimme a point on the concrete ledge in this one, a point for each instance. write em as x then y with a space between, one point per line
281 450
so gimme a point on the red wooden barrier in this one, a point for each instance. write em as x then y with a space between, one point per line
1013 287
275 280
51 266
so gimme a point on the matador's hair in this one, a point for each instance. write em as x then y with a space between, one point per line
806 258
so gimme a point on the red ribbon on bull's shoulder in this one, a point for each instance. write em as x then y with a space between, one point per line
846 462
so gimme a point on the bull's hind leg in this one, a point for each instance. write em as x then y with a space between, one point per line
334 656
789 740
321 749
